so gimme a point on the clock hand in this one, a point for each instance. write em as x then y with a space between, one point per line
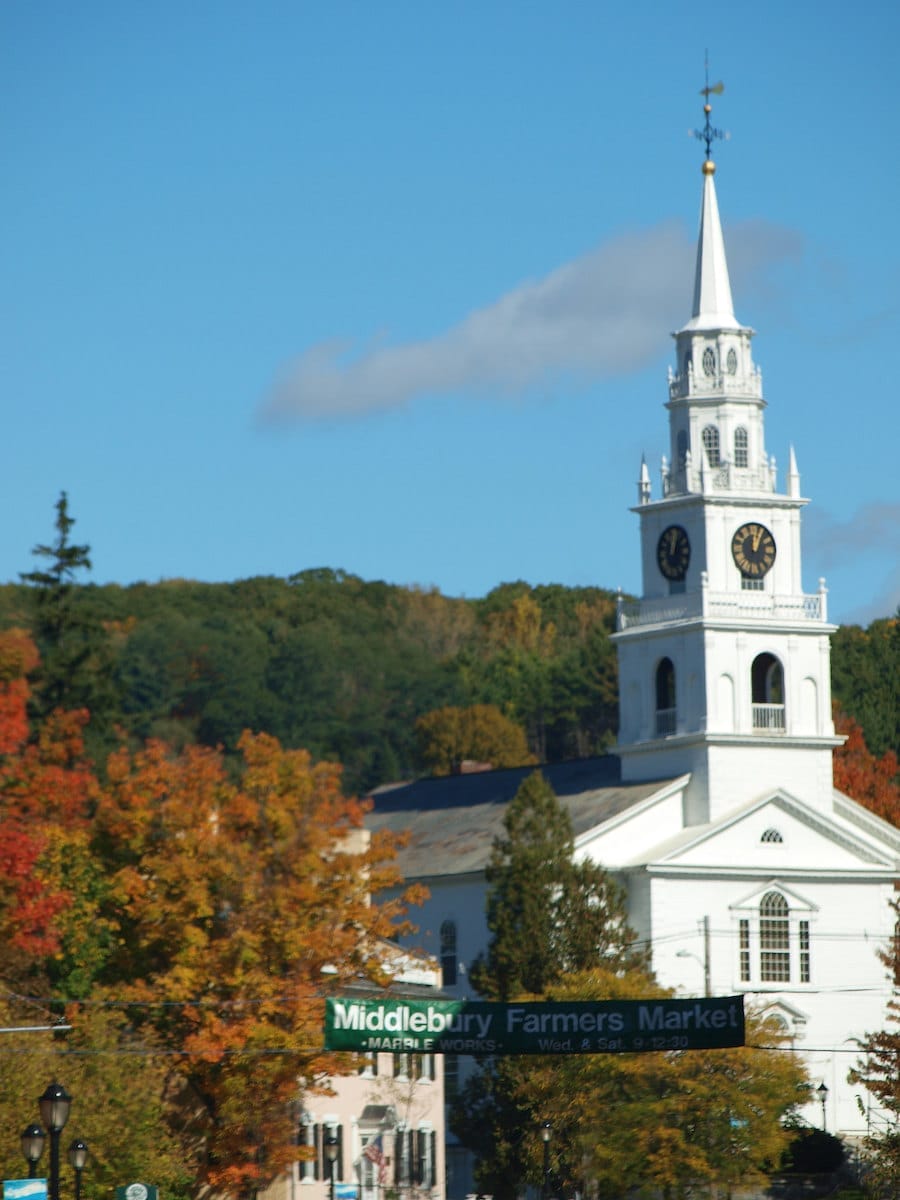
757 537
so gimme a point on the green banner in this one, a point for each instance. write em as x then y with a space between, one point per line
542 1027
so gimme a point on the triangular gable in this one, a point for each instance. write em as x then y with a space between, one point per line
752 900
808 838
791 1019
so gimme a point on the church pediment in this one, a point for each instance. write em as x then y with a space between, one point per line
776 835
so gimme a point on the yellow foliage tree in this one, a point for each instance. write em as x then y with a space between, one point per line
450 737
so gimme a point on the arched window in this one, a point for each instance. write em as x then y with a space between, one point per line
709 361
777 940
448 953
767 693
711 445
665 698
771 835
731 361
681 447
774 939
740 447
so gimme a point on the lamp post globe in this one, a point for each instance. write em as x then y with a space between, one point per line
33 1138
78 1152
546 1131
822 1091
55 1105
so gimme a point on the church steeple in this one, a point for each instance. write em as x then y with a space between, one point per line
723 661
713 308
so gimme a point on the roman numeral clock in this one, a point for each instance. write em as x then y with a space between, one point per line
753 550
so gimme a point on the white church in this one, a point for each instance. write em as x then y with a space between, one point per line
746 872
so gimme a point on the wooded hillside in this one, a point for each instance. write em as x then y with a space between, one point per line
344 667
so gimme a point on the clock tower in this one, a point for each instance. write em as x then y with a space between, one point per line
724 661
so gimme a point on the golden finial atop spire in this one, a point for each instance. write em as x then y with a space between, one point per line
708 134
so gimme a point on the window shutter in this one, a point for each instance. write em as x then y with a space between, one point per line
421 1157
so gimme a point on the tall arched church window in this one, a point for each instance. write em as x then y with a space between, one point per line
665 698
711 445
448 953
774 939
767 694
709 361
740 447
774 942
731 361
681 447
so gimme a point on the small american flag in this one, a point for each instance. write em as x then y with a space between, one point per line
374 1152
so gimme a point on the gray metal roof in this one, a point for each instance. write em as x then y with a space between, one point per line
453 820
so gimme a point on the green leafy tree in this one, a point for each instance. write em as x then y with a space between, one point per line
865 670
122 1087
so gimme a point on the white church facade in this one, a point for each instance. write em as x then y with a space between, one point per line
745 871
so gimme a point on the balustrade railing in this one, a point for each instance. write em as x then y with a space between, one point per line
665 722
737 605
768 717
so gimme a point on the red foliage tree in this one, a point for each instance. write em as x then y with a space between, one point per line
869 780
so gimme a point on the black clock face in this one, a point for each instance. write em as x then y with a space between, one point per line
673 552
753 550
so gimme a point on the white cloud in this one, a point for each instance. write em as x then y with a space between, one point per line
603 314
873 526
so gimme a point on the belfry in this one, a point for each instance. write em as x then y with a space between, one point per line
724 667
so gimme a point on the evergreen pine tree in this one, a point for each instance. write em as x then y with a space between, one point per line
73 649
548 916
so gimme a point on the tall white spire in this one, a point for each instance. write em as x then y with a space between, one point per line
713 307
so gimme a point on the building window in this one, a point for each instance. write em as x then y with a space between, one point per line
774 943
804 951
451 1076
681 448
415 1158
665 698
403 1157
752 585
711 445
448 953
767 694
731 361
308 1136
709 361
771 835
426 1175
741 457
414 1066
368 1063
774 939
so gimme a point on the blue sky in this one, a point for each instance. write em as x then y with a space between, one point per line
388 286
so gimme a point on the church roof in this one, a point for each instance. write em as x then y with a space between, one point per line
454 819
713 307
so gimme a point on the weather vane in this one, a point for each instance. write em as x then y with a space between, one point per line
708 133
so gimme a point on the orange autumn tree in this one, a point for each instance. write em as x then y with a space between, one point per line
242 903
871 781
47 791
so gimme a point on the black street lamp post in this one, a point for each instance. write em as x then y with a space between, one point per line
331 1153
823 1097
545 1179
78 1157
33 1138
55 1105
